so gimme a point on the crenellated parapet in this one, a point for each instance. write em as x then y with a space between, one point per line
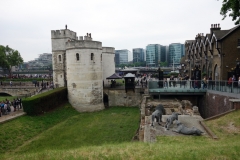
82 44
63 33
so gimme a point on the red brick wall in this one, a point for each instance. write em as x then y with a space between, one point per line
216 104
236 105
229 48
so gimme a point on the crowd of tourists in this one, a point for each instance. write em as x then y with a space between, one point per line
233 81
7 105
43 84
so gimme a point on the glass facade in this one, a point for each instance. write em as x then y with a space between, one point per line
164 52
138 55
153 55
121 56
176 52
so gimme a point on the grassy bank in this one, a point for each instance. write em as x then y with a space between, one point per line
18 131
107 135
66 129
3 98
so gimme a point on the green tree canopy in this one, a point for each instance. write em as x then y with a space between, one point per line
164 64
9 58
233 7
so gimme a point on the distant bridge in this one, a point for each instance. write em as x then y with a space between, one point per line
21 91
29 72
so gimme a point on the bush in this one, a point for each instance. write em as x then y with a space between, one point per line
45 102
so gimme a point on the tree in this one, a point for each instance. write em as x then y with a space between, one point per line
232 6
3 59
164 64
9 58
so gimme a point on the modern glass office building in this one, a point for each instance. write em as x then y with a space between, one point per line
138 55
164 51
176 52
154 55
121 56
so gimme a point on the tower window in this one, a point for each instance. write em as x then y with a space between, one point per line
77 56
59 58
92 56
101 57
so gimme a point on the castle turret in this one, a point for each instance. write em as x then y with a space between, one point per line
59 38
84 74
108 62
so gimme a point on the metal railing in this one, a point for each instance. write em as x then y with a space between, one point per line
222 86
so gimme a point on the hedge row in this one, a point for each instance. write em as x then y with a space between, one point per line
45 102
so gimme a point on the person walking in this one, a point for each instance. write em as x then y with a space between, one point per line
204 82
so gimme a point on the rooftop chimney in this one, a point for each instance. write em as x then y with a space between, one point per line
215 27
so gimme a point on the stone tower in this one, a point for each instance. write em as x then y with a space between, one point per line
84 74
79 65
108 62
59 38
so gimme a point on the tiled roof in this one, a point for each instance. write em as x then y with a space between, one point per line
230 31
220 33
189 41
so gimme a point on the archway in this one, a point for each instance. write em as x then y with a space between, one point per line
2 94
105 100
204 69
210 69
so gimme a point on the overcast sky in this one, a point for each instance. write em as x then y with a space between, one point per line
25 25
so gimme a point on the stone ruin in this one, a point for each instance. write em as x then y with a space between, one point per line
183 107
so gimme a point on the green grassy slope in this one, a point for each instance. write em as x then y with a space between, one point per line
107 135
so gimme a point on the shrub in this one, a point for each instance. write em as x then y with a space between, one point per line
45 102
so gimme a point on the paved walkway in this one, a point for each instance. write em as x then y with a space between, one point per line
11 115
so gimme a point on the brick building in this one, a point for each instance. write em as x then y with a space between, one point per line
216 54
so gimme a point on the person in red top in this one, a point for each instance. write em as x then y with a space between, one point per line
230 82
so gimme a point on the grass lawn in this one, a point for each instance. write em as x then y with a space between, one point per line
3 98
107 135
66 129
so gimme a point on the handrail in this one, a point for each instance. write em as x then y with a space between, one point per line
215 85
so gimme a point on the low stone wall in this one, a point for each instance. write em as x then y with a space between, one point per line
119 97
19 91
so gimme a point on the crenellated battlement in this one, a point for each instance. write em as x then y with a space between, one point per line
63 33
83 44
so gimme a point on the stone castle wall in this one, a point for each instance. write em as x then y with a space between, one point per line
119 97
58 68
59 39
108 63
81 68
84 76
